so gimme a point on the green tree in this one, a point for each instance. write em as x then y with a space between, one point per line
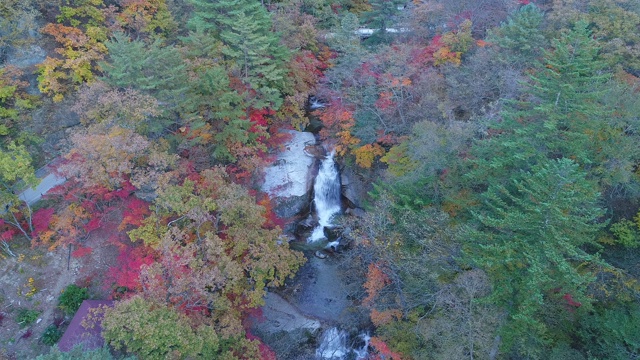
16 174
154 331
568 115
612 333
244 27
614 24
520 39
531 238
155 68
382 13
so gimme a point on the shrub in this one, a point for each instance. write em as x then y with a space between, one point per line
51 335
26 317
71 298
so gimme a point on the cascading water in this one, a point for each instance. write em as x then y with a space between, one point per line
333 346
327 196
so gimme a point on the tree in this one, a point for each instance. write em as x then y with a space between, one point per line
568 116
155 68
258 59
81 33
107 157
98 103
216 255
141 19
520 38
152 330
16 171
382 13
613 23
531 238
462 327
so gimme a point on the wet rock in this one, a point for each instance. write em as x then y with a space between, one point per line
321 254
322 295
280 315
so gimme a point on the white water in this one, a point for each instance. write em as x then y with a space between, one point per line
326 196
315 104
333 346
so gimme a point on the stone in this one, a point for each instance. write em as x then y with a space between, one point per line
279 315
354 189
321 254
355 212
26 56
289 181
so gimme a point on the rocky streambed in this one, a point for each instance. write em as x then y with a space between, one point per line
313 316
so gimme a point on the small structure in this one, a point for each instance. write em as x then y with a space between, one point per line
84 330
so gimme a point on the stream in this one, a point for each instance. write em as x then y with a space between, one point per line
334 342
313 316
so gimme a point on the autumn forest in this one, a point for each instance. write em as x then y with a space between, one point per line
492 147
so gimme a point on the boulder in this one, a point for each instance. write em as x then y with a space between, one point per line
289 181
279 315
354 189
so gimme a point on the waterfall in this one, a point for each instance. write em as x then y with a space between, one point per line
326 196
333 346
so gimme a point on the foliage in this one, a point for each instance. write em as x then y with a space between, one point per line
219 257
520 38
16 171
14 103
531 235
565 118
99 104
155 68
81 50
625 233
107 158
613 23
382 13
71 298
244 27
612 333
26 317
51 335
154 331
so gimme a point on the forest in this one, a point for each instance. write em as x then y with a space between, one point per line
495 145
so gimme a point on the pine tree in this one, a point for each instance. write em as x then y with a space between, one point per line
382 13
530 239
244 27
154 68
566 116
520 38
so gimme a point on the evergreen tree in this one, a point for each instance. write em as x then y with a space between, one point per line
382 13
566 116
244 27
154 68
530 239
520 39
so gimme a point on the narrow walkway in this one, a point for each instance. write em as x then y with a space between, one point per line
31 195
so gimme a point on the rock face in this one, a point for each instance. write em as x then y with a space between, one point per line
289 180
25 56
353 188
279 315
